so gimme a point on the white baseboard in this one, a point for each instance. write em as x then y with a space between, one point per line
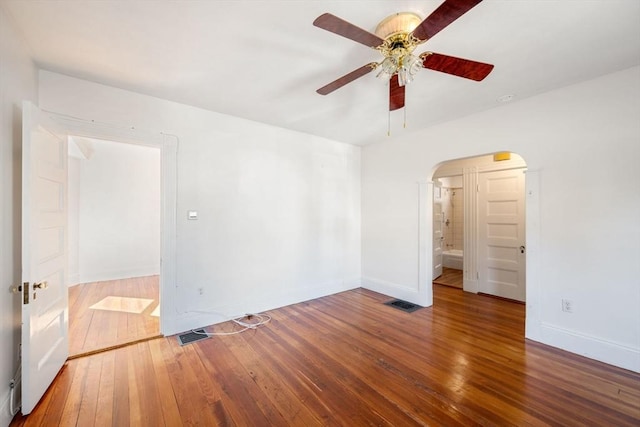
470 285
394 290
74 279
589 346
101 276
185 319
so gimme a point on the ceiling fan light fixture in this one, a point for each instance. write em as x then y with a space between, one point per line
388 67
398 23
396 38
398 46
410 66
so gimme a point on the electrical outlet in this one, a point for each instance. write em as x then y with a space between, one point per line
201 291
567 306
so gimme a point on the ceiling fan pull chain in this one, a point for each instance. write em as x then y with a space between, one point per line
405 116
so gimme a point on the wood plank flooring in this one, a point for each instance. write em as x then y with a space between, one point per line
348 360
123 312
450 277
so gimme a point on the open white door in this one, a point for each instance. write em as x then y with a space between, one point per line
44 254
501 239
438 235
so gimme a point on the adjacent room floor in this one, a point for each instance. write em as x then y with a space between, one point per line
108 314
450 277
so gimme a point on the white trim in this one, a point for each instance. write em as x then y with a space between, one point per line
504 166
169 225
102 276
532 255
470 235
191 319
393 289
590 346
445 170
425 252
74 279
168 145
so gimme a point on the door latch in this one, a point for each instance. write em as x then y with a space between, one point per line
25 293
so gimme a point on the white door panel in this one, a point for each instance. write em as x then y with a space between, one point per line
44 255
501 221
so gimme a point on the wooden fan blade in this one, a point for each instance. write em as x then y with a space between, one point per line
346 29
444 15
348 78
396 93
457 66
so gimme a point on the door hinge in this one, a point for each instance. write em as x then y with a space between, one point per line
25 293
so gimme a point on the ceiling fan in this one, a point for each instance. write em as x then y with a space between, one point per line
395 38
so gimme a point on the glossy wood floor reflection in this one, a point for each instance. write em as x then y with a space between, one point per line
112 313
349 360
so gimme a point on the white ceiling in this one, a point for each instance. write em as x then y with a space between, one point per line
263 60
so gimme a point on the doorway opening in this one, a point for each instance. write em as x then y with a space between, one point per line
114 243
479 225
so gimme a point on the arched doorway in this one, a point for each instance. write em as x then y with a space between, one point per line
479 241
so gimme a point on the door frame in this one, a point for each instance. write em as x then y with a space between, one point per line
168 145
437 265
533 325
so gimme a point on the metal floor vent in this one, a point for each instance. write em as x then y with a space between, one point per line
409 307
189 337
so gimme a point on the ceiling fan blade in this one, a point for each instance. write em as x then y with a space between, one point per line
444 15
346 29
396 93
347 78
457 66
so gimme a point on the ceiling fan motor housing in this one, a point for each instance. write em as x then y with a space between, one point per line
396 32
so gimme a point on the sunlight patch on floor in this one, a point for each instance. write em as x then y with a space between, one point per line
123 304
156 311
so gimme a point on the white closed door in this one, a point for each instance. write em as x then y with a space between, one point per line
438 239
501 237
44 254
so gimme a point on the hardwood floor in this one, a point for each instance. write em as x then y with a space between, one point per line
450 277
347 359
111 313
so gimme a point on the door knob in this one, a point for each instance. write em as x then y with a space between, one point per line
41 285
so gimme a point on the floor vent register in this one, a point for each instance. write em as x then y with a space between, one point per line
192 336
409 307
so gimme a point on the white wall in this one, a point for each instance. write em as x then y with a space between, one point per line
279 211
18 81
579 143
117 212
